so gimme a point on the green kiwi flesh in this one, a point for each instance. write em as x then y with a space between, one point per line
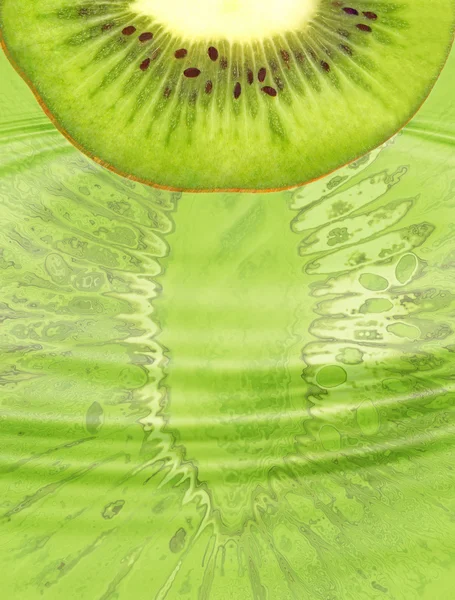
189 111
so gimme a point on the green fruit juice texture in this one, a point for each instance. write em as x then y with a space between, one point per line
228 396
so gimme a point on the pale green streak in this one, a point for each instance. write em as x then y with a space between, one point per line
301 444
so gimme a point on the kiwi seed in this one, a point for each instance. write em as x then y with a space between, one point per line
189 95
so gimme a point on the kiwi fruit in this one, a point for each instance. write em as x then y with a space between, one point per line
228 94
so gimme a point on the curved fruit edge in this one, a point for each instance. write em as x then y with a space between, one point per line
110 167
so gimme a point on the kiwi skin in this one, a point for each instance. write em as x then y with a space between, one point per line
147 182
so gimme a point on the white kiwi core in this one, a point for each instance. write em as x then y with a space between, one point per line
233 20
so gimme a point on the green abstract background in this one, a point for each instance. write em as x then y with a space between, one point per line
230 396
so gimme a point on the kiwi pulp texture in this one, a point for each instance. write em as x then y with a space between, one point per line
228 94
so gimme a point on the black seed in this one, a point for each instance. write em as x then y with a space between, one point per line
370 15
262 74
343 33
223 63
299 57
346 49
107 26
213 53
129 30
181 53
208 87
146 36
284 55
363 27
145 64
237 90
250 76
270 91
167 92
191 72
351 11
325 66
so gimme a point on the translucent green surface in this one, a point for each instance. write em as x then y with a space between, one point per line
227 396
162 127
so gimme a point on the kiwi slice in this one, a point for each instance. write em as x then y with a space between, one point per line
228 94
